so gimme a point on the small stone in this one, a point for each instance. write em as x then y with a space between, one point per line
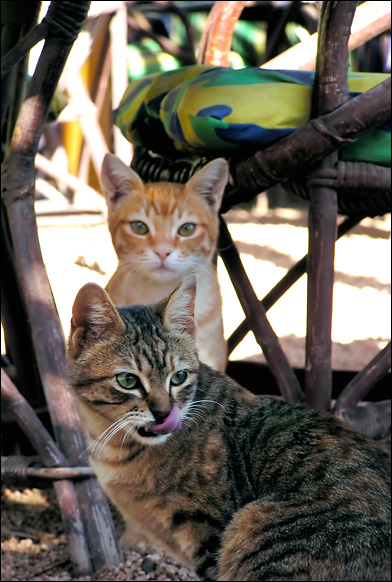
148 565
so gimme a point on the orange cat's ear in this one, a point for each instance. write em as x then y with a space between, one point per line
210 182
94 317
179 314
118 180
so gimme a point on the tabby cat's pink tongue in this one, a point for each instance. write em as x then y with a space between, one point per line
171 424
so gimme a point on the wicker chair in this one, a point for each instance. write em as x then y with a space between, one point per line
355 189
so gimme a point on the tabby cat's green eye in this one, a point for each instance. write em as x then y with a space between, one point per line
139 227
186 229
127 380
178 378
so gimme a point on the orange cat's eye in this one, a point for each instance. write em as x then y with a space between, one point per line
139 227
186 229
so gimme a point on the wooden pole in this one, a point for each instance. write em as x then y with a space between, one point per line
65 20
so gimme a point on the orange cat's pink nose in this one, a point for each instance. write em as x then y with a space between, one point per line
162 252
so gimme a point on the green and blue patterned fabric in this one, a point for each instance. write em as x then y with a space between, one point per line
200 108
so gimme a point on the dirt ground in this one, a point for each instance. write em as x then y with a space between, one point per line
270 241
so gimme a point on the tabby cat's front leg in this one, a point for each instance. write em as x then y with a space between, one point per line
133 538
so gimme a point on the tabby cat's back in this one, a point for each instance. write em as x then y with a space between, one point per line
161 232
238 486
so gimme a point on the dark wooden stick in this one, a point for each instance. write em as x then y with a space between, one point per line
65 20
17 53
320 269
32 427
18 342
51 455
287 281
364 380
330 92
15 466
255 313
60 472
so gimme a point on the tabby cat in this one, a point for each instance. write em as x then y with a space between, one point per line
240 487
162 231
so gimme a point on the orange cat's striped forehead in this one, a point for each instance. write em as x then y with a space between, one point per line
164 198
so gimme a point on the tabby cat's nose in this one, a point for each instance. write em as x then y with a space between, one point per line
160 415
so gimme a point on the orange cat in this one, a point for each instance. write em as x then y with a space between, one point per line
161 232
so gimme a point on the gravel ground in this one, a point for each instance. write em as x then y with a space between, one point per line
270 241
34 546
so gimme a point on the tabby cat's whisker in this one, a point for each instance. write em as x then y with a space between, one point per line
187 420
195 411
201 402
102 440
115 429
131 428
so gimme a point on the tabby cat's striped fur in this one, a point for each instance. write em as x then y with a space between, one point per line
162 231
240 487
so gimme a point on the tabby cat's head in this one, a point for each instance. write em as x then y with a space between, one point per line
133 369
163 229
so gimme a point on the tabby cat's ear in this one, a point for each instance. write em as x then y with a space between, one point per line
179 314
118 180
210 182
94 317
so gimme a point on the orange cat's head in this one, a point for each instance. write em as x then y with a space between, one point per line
163 230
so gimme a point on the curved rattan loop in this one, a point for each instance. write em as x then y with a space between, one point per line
154 168
363 189
66 18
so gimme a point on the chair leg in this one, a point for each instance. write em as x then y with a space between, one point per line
320 268
330 92
373 418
